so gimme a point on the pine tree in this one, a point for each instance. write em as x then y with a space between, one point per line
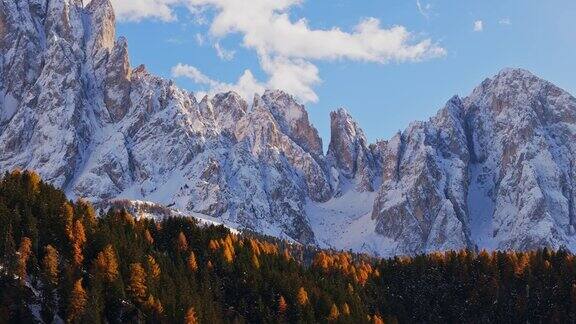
77 302
181 242
192 265
9 255
191 316
137 283
107 264
302 297
50 264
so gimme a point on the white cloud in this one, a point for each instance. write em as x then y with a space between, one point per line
246 86
424 10
223 53
505 21
478 26
137 10
288 49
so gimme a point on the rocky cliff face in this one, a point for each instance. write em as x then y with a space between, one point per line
493 170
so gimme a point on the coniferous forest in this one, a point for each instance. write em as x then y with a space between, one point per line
65 261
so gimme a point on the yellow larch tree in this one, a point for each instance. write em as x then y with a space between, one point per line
77 302
137 283
302 297
107 264
334 313
154 267
182 242
192 264
191 316
50 264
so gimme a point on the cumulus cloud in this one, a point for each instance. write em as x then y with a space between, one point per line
137 10
478 26
505 21
246 86
288 49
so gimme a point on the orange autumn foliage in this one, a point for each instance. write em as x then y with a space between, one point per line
181 242
192 264
107 264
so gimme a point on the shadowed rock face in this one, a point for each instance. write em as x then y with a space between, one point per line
350 153
495 169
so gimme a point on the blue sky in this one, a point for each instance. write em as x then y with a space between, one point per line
468 41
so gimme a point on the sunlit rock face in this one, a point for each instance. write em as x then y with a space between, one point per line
493 170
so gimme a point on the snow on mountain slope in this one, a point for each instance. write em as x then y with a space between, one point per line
493 170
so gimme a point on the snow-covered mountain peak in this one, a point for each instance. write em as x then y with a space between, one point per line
292 118
495 169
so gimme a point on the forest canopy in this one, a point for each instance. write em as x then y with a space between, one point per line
63 260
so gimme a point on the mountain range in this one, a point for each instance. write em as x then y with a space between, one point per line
494 170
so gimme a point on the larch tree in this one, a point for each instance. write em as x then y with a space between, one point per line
182 242
334 313
137 283
107 264
77 302
192 264
67 214
50 264
345 309
255 261
302 297
228 253
148 236
190 316
24 252
154 305
78 238
376 319
154 267
282 305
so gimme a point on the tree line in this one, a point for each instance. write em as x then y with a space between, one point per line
62 260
